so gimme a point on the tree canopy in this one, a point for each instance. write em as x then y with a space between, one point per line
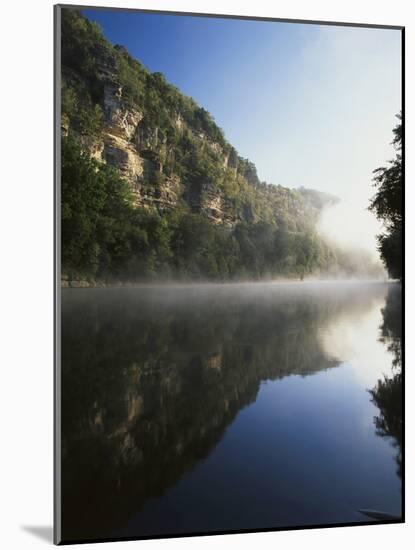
387 205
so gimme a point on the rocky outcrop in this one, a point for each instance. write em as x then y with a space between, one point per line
212 203
117 148
127 143
122 120
139 149
167 147
164 193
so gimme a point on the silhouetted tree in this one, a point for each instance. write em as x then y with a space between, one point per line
387 394
387 206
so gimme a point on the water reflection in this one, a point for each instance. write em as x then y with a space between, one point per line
153 377
387 394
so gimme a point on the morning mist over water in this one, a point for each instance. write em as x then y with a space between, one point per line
228 390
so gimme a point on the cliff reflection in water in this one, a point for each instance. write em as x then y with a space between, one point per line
387 394
152 377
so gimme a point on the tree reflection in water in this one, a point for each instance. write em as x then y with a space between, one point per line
152 378
387 394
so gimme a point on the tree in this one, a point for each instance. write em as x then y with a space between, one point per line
387 206
96 212
387 394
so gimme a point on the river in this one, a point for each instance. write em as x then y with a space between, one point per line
209 408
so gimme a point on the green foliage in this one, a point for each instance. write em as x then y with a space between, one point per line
132 77
387 393
82 44
387 206
248 171
78 109
105 236
96 204
317 199
262 230
387 397
189 144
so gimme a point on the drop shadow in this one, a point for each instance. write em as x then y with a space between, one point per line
44 532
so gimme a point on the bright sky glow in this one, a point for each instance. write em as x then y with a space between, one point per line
310 105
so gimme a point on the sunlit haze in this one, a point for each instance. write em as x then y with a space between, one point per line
310 105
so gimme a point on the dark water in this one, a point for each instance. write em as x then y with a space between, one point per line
219 408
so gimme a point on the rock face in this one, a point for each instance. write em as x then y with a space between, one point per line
117 147
131 139
166 146
121 120
136 150
133 147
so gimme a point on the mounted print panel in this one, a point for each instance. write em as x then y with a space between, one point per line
229 259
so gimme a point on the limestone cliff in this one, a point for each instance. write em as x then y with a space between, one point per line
168 148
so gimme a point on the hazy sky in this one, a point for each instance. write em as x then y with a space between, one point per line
310 105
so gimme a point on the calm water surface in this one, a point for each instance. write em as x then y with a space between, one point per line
225 407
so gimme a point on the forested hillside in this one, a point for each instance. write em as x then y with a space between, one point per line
151 188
